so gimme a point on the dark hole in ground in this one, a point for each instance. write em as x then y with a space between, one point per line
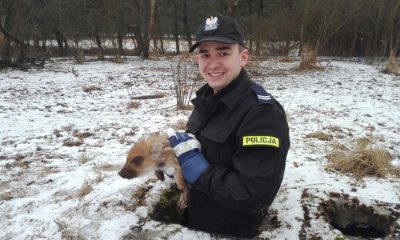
369 231
165 210
358 220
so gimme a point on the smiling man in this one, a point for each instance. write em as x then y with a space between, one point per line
244 137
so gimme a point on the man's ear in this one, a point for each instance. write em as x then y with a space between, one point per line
156 150
244 57
196 58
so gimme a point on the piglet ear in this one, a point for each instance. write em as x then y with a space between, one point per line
159 174
156 150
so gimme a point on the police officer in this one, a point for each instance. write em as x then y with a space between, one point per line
243 133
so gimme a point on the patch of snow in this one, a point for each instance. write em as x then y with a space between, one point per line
53 191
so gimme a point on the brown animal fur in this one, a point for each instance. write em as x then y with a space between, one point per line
149 154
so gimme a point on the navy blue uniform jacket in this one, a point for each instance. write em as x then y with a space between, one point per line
244 136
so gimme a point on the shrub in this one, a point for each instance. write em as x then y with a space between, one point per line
361 161
320 136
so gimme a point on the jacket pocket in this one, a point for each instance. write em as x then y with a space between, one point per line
216 146
216 134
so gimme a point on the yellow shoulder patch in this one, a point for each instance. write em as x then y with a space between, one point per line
261 141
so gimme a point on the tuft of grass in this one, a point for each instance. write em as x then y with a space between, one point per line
107 167
363 143
133 105
72 142
140 195
361 161
100 177
81 134
118 59
84 158
67 232
91 88
47 170
320 136
286 59
85 190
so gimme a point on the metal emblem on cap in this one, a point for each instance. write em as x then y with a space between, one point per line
211 24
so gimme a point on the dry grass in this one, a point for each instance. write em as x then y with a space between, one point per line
286 59
100 177
391 65
361 161
81 134
71 142
79 56
320 136
335 129
84 158
47 170
309 61
91 88
67 232
140 195
107 167
85 190
133 105
363 143
118 59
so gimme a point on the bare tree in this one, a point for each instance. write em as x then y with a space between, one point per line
185 79
151 24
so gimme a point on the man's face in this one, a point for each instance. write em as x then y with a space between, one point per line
220 63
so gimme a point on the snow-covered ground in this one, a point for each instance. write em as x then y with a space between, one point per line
61 146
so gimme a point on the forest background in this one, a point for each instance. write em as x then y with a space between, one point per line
32 31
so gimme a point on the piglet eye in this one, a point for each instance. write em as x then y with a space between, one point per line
137 160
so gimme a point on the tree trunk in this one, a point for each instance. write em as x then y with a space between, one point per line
120 40
301 33
354 40
160 36
287 47
151 26
7 49
137 31
44 41
186 24
176 31
66 45
260 11
229 7
9 36
22 54
60 42
99 44
251 30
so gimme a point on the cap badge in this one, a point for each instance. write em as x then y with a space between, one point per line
211 24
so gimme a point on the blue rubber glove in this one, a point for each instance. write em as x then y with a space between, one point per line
187 150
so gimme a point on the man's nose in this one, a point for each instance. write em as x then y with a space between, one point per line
213 62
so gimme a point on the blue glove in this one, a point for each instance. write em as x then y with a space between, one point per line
187 150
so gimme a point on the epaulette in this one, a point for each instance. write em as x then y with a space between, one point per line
262 95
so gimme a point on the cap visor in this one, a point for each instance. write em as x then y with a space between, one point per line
213 39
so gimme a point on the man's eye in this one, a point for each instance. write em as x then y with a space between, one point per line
223 54
204 55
